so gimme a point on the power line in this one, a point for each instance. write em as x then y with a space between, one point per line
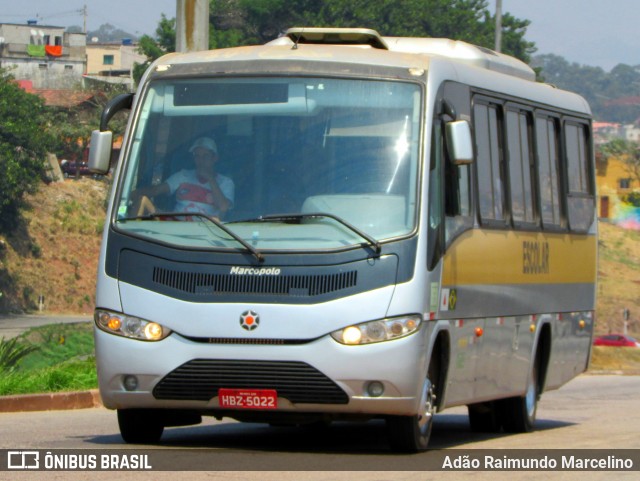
53 15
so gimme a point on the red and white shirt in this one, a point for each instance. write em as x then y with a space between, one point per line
194 194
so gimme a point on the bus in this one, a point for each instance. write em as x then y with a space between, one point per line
341 226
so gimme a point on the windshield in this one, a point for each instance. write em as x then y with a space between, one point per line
241 150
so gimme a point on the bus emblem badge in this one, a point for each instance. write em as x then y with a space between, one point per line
249 320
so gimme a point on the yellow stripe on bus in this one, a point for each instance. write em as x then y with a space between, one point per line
508 257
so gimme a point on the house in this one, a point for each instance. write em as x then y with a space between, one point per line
63 98
112 62
614 182
46 55
604 132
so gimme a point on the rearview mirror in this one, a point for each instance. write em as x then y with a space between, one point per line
100 151
459 142
102 140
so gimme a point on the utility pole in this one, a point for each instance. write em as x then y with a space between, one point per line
498 26
192 25
625 321
84 20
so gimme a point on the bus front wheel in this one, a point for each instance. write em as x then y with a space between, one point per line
411 433
140 426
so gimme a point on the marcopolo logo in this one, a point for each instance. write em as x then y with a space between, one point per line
251 271
249 320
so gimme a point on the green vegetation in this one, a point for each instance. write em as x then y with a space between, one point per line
75 217
58 357
24 142
28 131
11 353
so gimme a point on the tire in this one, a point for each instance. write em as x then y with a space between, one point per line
140 426
519 413
410 434
484 417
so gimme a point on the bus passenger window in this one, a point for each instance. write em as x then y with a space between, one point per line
580 199
490 176
522 193
548 173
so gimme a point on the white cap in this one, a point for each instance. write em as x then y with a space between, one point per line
206 143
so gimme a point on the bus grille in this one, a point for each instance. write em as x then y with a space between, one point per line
200 379
290 285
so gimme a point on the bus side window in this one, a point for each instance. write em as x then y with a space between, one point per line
580 198
520 167
548 171
491 190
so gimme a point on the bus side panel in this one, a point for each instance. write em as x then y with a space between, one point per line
499 289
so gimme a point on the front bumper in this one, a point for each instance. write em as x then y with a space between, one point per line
321 376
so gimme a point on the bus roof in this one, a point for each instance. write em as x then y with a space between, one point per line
474 65
452 49
327 44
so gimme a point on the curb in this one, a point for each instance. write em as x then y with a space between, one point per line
50 401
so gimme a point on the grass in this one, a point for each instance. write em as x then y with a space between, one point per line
621 359
57 343
78 375
62 361
618 279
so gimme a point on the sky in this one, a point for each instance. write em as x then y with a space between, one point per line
602 33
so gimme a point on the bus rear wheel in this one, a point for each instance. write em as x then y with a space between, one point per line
519 413
411 433
140 426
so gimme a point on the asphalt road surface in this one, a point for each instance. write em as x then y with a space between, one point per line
591 412
14 325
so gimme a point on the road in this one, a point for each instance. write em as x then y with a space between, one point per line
591 412
14 325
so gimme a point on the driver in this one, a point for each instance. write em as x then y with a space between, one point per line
200 190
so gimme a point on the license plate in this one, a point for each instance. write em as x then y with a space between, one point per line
248 398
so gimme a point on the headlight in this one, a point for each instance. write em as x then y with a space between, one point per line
130 326
378 331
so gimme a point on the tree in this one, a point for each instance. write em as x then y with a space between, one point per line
164 42
71 127
259 21
251 22
613 96
24 141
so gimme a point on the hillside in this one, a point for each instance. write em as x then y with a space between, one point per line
55 255
618 278
55 252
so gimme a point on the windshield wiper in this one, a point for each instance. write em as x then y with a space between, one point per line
296 218
159 215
